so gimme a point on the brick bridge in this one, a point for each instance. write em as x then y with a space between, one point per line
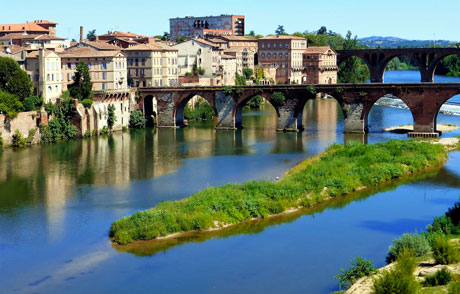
356 101
377 59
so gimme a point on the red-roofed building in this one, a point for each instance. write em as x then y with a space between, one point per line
320 65
43 27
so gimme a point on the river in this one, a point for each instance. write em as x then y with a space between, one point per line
57 202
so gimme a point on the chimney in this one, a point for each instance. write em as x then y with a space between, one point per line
81 33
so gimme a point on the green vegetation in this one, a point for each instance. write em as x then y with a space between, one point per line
278 99
352 70
9 104
439 278
359 268
13 79
81 88
137 120
2 142
240 80
415 242
87 103
247 72
255 102
59 128
340 170
111 118
449 66
104 131
33 103
454 288
201 111
400 279
402 63
444 252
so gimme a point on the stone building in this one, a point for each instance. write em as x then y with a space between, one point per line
44 69
284 53
320 65
244 48
203 27
108 69
152 65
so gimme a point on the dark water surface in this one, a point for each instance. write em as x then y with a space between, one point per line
57 203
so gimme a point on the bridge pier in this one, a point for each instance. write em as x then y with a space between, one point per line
354 120
165 108
287 120
224 107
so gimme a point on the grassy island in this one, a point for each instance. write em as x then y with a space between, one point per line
338 171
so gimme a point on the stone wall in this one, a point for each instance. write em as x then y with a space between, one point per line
24 122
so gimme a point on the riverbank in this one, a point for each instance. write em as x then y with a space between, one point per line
339 171
409 128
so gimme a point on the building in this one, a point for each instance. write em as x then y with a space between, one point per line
152 65
44 69
244 48
40 27
285 54
198 53
24 39
228 68
320 65
207 26
108 69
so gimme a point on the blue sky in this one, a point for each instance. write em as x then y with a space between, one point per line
408 19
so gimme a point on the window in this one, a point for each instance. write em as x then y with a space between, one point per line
49 89
143 61
137 62
69 77
104 75
89 65
48 77
104 86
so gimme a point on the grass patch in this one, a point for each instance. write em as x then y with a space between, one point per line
342 169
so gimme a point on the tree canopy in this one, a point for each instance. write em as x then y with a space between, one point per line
82 85
13 79
280 30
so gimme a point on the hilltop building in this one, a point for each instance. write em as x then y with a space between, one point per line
204 27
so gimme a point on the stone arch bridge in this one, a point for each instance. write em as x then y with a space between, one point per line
356 100
377 59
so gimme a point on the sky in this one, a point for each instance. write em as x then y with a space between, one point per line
408 19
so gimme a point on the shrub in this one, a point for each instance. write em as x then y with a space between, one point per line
60 127
359 268
454 214
439 278
124 129
443 225
443 251
105 131
32 103
17 140
454 288
87 103
111 119
255 102
9 104
278 99
415 241
30 136
400 279
51 108
137 120
87 134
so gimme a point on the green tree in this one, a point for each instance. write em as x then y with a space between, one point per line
322 31
248 73
13 79
280 30
81 88
9 104
111 119
137 120
240 80
352 70
91 35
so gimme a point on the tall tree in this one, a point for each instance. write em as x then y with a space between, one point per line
280 30
322 30
13 79
352 70
111 119
91 35
82 85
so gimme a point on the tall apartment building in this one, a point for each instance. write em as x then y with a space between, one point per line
44 69
41 27
320 65
203 27
152 65
108 69
285 54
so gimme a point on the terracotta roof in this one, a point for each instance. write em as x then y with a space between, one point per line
87 52
100 45
43 21
284 37
151 47
205 42
127 40
239 38
122 34
318 50
35 53
215 40
22 36
28 27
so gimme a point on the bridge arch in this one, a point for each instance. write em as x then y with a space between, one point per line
242 101
150 105
183 100
448 112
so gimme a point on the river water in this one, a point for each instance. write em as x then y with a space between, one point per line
57 202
